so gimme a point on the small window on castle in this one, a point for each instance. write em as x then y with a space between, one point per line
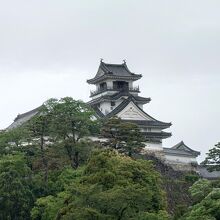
112 103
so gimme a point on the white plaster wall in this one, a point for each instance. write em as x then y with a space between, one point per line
97 139
130 83
153 146
118 102
179 159
104 93
105 107
109 83
151 130
131 112
134 93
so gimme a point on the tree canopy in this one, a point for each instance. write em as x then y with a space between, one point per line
16 197
126 137
50 169
212 160
207 202
111 186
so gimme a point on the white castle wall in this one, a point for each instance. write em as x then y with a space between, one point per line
179 159
153 146
150 130
131 112
105 107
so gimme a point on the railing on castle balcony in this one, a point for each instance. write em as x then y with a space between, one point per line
126 89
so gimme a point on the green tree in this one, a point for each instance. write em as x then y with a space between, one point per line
47 207
38 128
11 140
123 136
161 215
207 209
3 142
200 189
212 160
111 186
16 198
71 122
206 201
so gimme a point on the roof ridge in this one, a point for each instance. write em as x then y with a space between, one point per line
26 113
113 64
103 66
152 117
126 67
126 102
182 143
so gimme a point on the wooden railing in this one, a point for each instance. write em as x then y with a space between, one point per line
101 90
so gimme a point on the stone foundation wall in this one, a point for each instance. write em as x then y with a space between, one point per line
176 166
182 166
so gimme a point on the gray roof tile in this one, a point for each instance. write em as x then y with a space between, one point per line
107 70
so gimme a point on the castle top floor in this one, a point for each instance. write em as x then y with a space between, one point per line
113 72
114 78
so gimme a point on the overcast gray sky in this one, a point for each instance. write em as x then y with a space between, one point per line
48 48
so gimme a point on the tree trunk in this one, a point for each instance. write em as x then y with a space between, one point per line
76 159
44 160
71 156
120 216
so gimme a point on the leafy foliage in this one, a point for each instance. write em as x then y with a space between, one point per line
200 190
71 122
213 158
50 170
16 198
207 202
191 178
112 187
123 136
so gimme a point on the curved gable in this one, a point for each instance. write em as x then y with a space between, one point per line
132 112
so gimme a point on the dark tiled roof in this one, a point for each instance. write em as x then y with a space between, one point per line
203 172
118 69
126 93
23 118
118 108
113 71
146 123
178 152
182 146
125 103
26 114
98 112
118 96
152 122
161 134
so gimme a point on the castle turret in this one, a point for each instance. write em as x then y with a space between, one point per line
116 95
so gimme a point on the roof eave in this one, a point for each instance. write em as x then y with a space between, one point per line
111 76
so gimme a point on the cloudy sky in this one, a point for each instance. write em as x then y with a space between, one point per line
48 48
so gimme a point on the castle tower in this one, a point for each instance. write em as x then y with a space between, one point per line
115 95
